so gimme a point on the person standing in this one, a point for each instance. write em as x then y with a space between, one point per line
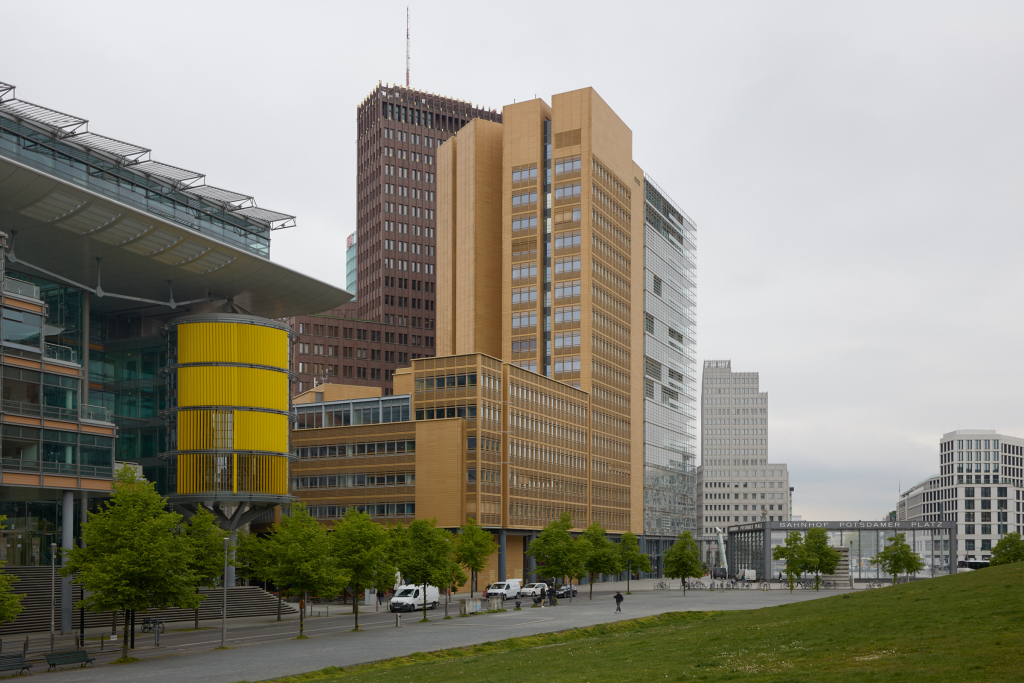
618 602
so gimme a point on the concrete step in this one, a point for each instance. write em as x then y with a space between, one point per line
243 601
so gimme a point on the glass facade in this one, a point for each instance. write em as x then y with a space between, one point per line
125 359
355 412
81 167
745 546
351 264
670 396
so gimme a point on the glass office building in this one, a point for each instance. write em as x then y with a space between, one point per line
670 384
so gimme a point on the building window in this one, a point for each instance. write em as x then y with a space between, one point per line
648 388
649 323
657 285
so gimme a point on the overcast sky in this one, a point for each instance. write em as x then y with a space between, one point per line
854 170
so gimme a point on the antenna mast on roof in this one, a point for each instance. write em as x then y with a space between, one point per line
407 46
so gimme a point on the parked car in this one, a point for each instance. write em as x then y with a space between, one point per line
563 591
504 589
410 598
532 590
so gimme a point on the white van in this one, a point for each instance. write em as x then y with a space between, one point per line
504 589
410 598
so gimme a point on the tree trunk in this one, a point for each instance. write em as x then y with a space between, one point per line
197 611
355 608
279 605
124 645
472 582
302 613
591 586
424 602
628 574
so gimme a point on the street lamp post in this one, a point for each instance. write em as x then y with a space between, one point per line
53 586
224 612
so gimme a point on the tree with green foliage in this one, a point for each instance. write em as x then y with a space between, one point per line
557 554
253 561
252 557
794 554
10 602
473 545
602 556
423 555
632 559
1010 548
206 559
898 558
820 556
303 560
134 556
682 560
360 547
455 577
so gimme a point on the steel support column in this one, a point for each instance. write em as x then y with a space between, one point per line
502 555
67 519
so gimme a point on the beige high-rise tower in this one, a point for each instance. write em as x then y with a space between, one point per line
540 264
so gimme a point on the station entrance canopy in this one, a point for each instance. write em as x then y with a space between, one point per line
749 546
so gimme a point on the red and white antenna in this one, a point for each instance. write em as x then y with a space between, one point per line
406 46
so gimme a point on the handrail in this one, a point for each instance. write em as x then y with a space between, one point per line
97 413
21 287
60 352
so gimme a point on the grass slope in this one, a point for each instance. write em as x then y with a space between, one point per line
959 628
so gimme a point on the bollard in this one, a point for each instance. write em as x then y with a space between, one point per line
24 649
102 635
398 620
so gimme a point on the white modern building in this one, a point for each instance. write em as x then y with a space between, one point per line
979 488
736 481
911 507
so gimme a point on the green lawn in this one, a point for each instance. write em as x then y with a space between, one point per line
959 628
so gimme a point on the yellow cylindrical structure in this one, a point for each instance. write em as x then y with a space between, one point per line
232 407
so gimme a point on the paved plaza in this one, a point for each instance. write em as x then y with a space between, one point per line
263 648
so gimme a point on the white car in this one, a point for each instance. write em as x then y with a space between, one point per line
532 590
504 589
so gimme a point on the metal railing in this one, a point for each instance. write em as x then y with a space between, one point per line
20 408
45 467
85 412
57 413
97 413
21 288
60 352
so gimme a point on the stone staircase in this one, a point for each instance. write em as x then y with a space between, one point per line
243 601
842 574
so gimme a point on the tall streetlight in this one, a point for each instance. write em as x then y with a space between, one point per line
224 613
53 585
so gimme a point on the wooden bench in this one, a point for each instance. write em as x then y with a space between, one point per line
14 663
55 659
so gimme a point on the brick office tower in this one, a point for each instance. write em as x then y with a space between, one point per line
393 319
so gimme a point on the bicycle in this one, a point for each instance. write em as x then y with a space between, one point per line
661 585
149 624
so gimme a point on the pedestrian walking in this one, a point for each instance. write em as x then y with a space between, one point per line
618 601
